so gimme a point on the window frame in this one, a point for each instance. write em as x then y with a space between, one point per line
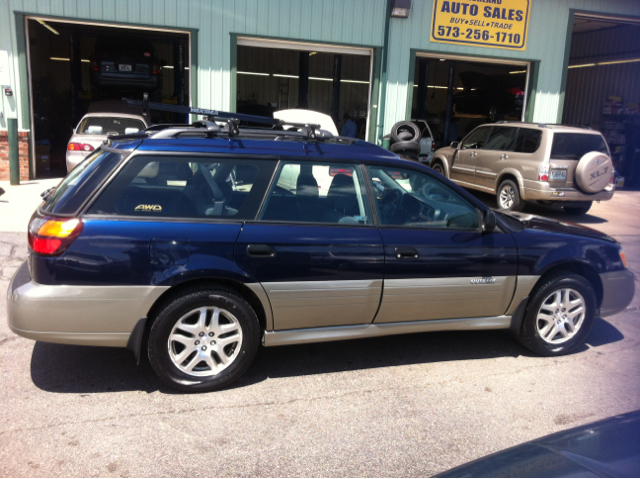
357 164
173 219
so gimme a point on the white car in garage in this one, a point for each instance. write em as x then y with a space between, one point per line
103 119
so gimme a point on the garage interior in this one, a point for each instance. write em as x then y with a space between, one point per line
60 56
334 83
455 96
602 89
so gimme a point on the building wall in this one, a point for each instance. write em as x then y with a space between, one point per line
353 22
546 41
23 155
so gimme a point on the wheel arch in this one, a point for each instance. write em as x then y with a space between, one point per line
585 270
510 174
443 161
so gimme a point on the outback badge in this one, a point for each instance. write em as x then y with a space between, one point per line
148 208
483 281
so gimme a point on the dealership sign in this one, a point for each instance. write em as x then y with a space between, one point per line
481 23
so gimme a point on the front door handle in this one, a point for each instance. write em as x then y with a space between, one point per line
405 252
260 251
474 153
504 157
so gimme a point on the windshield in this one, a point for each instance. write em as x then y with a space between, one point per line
573 146
103 125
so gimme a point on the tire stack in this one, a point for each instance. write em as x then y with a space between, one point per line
405 140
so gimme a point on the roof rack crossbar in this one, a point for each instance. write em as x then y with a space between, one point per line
232 119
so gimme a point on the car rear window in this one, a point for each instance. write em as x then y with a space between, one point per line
572 146
103 125
528 140
83 180
197 187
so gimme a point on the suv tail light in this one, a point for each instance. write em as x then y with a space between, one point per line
543 173
433 146
156 69
612 180
94 65
80 147
51 236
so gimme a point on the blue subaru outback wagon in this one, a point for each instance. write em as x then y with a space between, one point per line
195 244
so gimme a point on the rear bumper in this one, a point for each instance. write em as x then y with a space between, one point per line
541 191
138 84
83 315
618 289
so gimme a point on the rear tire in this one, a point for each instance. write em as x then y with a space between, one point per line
508 196
559 315
204 339
438 168
578 210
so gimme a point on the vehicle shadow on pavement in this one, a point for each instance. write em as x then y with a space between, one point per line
78 369
541 210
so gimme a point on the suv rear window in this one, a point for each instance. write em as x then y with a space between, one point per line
83 180
572 146
102 125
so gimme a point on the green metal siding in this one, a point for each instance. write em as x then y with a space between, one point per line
350 22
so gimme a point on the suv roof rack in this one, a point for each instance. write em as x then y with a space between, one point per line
545 125
209 128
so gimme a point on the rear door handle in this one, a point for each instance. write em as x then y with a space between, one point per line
406 252
474 153
504 157
261 251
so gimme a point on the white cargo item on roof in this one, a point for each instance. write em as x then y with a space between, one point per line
308 116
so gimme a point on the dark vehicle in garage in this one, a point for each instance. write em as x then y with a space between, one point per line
496 97
124 63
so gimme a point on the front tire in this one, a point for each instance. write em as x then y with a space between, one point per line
578 210
204 339
509 196
559 315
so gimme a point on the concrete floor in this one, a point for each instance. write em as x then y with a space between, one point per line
398 406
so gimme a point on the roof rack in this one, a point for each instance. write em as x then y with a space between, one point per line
544 125
209 128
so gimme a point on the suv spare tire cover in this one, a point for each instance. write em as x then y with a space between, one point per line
593 172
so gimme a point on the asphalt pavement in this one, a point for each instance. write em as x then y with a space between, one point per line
398 406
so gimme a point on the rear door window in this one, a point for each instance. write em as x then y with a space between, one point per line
306 192
573 146
528 140
210 188
502 139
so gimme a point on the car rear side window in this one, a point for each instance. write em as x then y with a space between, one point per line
318 193
187 188
83 180
573 146
502 138
528 140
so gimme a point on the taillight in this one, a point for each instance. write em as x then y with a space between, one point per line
52 236
612 180
80 147
156 69
433 146
94 66
543 173
623 258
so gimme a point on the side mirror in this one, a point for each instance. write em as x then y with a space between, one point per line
489 222
454 145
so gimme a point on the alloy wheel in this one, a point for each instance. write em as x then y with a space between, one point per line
560 316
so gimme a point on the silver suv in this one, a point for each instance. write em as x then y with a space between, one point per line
521 162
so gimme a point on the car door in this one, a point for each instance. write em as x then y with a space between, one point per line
463 165
495 155
438 263
314 247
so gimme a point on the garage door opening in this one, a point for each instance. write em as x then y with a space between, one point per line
75 68
602 89
454 95
274 76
